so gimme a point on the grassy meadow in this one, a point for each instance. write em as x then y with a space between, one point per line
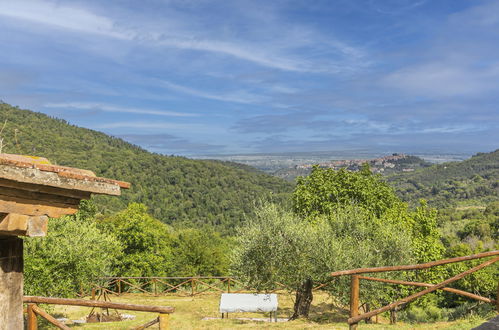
201 312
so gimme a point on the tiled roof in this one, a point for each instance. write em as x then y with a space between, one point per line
44 165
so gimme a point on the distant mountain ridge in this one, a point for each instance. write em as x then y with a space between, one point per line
471 181
177 190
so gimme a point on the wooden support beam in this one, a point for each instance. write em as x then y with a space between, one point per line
32 321
64 180
35 209
354 299
102 304
48 317
420 284
23 225
11 283
357 319
164 321
45 189
414 267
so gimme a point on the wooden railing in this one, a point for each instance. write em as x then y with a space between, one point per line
355 318
182 286
33 310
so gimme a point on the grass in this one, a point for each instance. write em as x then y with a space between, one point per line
190 311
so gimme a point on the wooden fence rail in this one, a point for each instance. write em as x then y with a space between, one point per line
180 286
33 310
355 318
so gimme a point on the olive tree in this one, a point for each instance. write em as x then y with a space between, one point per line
278 246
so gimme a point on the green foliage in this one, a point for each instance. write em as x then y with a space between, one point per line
146 242
176 190
73 253
472 181
279 246
326 190
200 252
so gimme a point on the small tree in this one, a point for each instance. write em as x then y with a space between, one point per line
146 242
278 246
73 253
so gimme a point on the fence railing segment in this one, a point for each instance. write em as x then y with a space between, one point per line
33 310
355 318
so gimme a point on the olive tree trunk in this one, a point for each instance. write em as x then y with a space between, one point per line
303 300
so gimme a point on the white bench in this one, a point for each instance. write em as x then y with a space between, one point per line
249 302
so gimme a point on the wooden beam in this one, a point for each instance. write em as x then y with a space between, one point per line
7 206
37 196
357 319
420 284
23 225
48 317
60 180
413 267
98 303
45 189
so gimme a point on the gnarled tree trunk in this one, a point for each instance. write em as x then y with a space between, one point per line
303 300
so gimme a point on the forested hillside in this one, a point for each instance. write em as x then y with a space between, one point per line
474 181
176 190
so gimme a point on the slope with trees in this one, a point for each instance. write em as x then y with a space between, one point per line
177 190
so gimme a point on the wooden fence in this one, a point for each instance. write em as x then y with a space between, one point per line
355 318
33 311
180 286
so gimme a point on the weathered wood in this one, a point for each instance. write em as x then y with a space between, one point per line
77 194
147 325
413 267
354 299
41 198
49 317
102 304
164 321
9 206
32 321
23 225
11 283
63 180
412 297
420 284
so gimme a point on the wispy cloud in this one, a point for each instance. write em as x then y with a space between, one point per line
238 96
114 108
152 125
62 16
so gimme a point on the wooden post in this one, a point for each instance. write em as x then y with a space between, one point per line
354 299
228 285
93 294
11 283
193 287
163 321
155 287
119 287
32 322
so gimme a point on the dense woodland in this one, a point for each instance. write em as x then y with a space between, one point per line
176 190
190 217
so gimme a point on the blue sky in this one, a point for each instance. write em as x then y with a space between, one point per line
218 77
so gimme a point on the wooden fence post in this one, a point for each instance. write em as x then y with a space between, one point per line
163 321
155 287
354 299
193 287
228 285
32 321
119 287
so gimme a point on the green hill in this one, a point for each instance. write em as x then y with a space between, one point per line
474 181
177 190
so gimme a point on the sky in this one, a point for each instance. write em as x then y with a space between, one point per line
199 77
